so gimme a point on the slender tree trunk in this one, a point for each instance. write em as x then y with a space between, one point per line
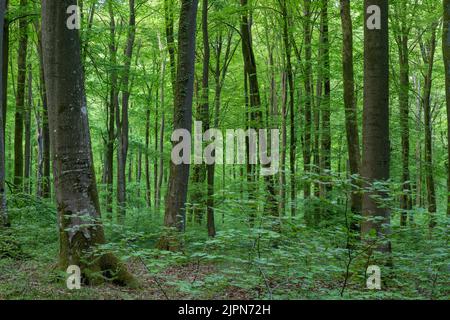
402 28
45 185
175 215
446 52
159 171
325 141
307 110
256 119
290 94
148 188
419 202
376 143
4 220
111 114
4 66
79 215
405 199
284 95
428 52
139 172
205 101
169 6
28 160
20 100
123 126
351 116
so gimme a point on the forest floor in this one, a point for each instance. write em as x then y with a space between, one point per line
241 262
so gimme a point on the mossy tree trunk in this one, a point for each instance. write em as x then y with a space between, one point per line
79 217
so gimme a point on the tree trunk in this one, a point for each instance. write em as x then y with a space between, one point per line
20 100
376 143
28 160
111 114
446 52
288 86
401 32
148 188
45 185
210 168
428 51
256 119
325 141
4 66
307 110
351 113
79 215
4 220
122 124
418 155
175 215
159 168
168 17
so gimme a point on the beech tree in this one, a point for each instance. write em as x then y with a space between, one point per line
446 51
4 221
80 225
175 215
20 99
376 143
351 116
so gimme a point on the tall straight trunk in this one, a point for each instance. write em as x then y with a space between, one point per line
28 160
4 220
175 214
122 123
80 225
197 195
418 153
351 113
4 62
446 52
428 52
284 95
403 51
325 141
376 143
111 114
291 91
220 72
20 100
45 185
159 170
148 188
138 171
317 104
256 118
307 30
169 24
210 169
